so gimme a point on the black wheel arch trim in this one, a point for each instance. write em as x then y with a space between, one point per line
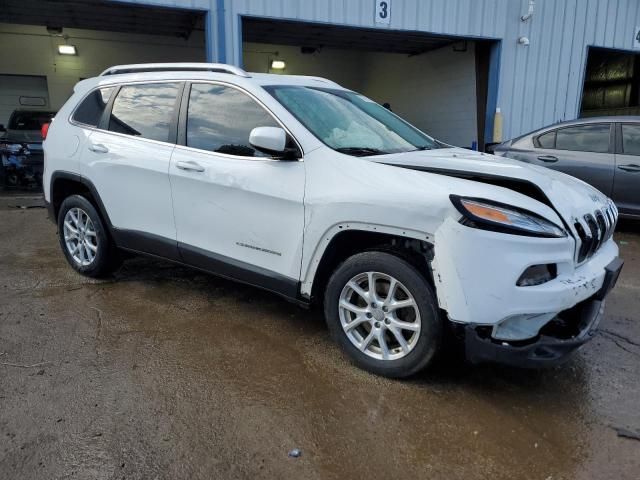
76 177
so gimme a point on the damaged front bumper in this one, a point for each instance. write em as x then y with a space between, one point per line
546 351
568 331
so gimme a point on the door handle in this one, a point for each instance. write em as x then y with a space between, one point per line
632 167
548 158
189 166
98 148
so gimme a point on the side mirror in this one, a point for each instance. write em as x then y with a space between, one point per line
2 129
268 139
272 140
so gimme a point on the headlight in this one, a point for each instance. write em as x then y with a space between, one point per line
498 217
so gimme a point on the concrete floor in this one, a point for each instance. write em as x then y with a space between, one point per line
162 372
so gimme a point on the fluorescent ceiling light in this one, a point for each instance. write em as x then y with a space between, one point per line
278 64
67 50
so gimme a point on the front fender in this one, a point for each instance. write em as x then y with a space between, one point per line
312 260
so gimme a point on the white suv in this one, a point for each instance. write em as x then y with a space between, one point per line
307 189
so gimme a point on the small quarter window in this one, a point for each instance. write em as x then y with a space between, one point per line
91 109
220 119
547 140
144 110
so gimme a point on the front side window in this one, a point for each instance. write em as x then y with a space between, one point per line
584 138
144 110
351 123
220 119
631 139
91 109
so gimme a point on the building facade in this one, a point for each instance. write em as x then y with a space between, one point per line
446 65
534 83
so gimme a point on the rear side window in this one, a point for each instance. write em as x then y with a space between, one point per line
584 138
631 139
547 140
91 109
220 119
144 110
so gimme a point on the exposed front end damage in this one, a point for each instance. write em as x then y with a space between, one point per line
477 275
553 344
523 283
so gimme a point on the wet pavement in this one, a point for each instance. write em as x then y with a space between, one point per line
163 372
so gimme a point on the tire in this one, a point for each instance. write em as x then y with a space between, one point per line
380 324
98 255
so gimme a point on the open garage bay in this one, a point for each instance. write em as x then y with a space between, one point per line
438 83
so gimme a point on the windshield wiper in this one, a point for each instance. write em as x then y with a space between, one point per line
360 151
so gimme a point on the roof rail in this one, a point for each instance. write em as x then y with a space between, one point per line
319 79
175 67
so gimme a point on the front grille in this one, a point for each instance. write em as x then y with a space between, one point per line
594 229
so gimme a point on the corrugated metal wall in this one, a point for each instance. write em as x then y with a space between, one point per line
538 84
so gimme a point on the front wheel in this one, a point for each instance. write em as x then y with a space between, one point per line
383 313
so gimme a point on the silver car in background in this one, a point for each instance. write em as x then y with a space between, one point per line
602 151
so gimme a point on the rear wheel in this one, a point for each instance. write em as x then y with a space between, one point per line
84 239
383 313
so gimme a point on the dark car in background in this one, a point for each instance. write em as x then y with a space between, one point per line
22 159
602 151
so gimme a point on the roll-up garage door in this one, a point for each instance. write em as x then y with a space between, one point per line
22 92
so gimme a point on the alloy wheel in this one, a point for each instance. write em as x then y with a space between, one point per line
379 316
80 236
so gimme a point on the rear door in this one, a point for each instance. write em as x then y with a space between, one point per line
582 151
127 159
626 184
238 212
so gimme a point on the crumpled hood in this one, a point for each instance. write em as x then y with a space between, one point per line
570 197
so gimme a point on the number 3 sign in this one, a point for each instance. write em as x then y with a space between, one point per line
383 11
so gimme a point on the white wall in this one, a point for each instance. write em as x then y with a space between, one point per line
30 50
341 66
435 91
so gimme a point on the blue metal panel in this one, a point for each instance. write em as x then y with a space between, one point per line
240 62
220 34
187 4
208 41
492 90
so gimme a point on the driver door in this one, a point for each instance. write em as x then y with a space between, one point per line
238 212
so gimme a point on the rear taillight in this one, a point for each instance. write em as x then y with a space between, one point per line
44 130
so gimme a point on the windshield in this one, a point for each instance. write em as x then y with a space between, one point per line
351 123
27 120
